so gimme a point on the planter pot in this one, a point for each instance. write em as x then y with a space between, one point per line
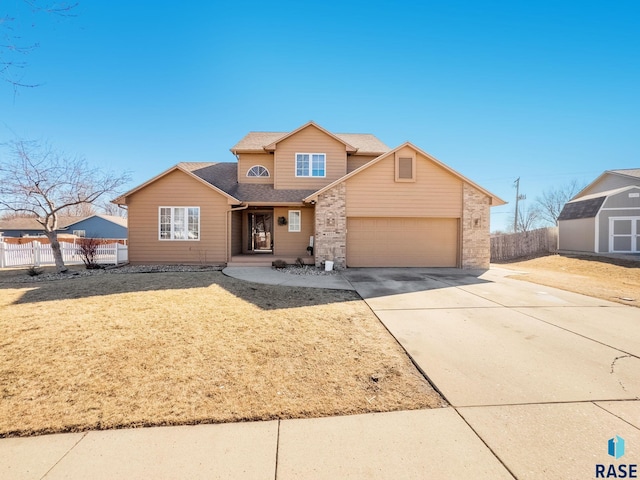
328 266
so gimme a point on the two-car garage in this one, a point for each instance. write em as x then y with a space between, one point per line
402 242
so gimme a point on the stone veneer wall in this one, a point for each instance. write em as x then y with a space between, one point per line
331 227
476 246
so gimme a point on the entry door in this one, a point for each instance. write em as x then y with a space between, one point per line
624 234
260 231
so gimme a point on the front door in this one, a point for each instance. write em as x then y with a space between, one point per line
260 232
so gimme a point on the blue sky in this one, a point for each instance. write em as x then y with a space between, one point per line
547 91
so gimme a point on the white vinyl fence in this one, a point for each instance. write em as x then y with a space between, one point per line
37 254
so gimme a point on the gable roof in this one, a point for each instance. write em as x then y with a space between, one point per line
109 218
186 167
633 173
272 145
260 142
495 200
628 172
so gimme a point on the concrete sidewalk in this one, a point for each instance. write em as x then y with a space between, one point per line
417 444
273 276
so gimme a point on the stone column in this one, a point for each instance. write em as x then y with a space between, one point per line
476 246
331 227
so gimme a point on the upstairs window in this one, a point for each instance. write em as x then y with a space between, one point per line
405 169
179 223
258 171
310 164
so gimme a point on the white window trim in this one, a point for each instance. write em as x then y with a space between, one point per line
186 224
634 235
295 166
292 225
80 233
259 176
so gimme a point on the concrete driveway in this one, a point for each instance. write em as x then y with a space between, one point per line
531 369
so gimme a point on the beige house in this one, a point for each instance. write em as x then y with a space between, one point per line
314 195
605 216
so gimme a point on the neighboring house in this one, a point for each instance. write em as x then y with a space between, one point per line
94 226
605 216
357 202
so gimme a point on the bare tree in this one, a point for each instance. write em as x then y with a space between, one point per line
14 45
552 201
528 218
112 209
38 181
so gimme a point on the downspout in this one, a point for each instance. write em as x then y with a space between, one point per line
228 227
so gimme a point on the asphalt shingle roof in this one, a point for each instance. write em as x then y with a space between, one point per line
582 209
631 172
225 177
364 142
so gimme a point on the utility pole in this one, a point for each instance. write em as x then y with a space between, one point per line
518 197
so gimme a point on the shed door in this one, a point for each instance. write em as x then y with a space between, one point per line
624 234
402 242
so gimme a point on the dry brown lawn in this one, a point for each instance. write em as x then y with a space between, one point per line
125 350
616 280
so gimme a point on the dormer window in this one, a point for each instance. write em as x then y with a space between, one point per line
258 171
310 164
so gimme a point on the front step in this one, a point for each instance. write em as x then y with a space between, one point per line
249 264
264 260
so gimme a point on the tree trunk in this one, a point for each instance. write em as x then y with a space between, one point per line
57 252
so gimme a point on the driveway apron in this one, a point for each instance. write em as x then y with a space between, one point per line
519 362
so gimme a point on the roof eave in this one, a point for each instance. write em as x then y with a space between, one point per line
494 199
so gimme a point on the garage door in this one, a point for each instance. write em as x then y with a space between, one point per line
402 242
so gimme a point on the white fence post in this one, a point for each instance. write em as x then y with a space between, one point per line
36 253
116 253
3 261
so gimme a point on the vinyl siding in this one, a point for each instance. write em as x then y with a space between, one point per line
603 222
96 227
622 200
577 235
309 140
176 189
610 182
375 193
292 244
356 161
248 160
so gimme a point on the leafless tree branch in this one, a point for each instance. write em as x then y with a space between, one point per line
552 201
40 182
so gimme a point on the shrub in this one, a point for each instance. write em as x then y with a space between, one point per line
34 271
88 249
299 262
279 264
